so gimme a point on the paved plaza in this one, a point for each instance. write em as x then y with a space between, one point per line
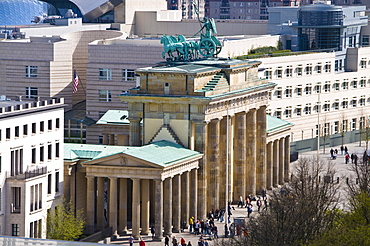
341 168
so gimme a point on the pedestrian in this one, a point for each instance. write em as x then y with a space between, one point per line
249 209
142 242
259 203
215 231
355 158
152 230
240 203
346 157
191 224
189 244
200 242
345 149
352 157
264 193
174 241
167 241
131 240
182 241
341 149
336 151
331 153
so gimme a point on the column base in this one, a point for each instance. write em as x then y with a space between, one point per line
175 230
144 233
124 232
158 239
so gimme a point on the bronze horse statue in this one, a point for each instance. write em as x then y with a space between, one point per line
171 45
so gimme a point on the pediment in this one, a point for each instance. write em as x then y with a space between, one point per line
121 160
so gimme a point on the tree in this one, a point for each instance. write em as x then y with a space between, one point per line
300 212
63 223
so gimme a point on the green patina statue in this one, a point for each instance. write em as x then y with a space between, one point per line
179 49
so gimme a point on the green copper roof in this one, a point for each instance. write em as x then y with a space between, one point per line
188 68
275 124
115 117
162 153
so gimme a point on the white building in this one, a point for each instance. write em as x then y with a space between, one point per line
31 161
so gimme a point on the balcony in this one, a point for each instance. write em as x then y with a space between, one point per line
31 173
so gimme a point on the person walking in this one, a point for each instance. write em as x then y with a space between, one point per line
152 231
142 242
167 241
174 241
259 203
249 209
346 157
191 224
182 241
131 240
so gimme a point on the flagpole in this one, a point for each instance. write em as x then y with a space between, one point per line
75 70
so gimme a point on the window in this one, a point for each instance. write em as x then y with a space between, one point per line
279 73
361 102
298 111
317 89
15 230
105 74
345 125
49 151
353 125
16 160
16 200
336 106
307 110
345 104
307 90
49 183
354 84
365 40
50 125
289 72
336 86
41 153
299 91
362 123
299 71
57 150
288 113
33 157
25 130
363 63
278 94
128 74
16 132
318 69
353 103
42 126
345 85
33 128
268 74
105 96
31 71
326 107
327 87
336 126
32 92
308 70
56 181
57 123
288 92
327 68
362 83
326 129
7 133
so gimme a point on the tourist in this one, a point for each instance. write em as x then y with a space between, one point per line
142 242
131 240
191 224
167 241
259 203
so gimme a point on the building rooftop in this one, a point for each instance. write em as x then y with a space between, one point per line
275 124
114 117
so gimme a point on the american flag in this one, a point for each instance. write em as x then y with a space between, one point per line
76 81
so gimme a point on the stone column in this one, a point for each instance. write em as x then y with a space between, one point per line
111 139
134 131
158 209
240 163
167 216
105 139
269 165
275 168
261 149
200 143
287 159
251 151
193 201
281 161
213 160
90 208
176 204
113 205
136 208
185 197
100 204
145 206
222 164
122 206
67 182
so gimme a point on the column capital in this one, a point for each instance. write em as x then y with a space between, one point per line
200 122
134 119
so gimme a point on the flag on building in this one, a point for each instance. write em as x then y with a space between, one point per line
76 81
